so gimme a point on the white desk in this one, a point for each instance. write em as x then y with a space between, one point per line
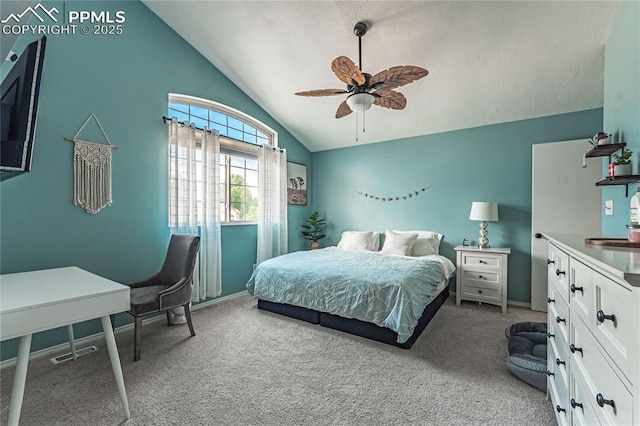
41 300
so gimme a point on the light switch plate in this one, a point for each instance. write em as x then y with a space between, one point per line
608 208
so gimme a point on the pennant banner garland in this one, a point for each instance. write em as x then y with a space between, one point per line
401 197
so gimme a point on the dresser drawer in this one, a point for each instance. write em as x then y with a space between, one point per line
582 407
482 260
481 277
599 378
558 389
558 320
618 333
482 293
558 271
580 291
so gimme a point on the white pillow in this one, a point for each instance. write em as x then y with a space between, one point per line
428 242
354 240
398 243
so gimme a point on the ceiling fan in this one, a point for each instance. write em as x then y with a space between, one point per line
365 89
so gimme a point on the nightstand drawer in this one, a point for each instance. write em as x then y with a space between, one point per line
481 260
482 293
481 277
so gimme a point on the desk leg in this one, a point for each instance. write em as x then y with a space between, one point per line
19 380
115 362
72 341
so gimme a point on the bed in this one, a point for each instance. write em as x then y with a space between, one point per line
388 295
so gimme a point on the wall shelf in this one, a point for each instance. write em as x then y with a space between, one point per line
604 150
619 180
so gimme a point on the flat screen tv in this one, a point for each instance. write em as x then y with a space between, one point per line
19 98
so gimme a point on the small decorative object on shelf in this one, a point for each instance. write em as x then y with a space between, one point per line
601 138
622 165
313 230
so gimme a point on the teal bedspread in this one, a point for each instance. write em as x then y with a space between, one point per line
387 290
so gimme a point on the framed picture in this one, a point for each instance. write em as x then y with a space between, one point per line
296 184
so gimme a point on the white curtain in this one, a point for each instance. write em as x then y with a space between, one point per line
194 200
272 203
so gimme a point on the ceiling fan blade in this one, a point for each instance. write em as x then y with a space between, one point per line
322 92
389 99
347 71
343 110
396 77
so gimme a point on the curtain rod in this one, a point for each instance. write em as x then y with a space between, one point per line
184 123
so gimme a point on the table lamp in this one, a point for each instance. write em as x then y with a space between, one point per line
484 211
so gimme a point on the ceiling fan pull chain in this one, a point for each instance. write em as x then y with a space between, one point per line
356 127
363 121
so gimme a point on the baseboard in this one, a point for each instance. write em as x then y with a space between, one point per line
509 302
90 339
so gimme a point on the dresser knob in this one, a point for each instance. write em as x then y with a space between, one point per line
559 272
550 300
480 276
482 261
573 349
559 320
549 373
479 291
602 317
560 409
550 262
601 401
559 362
575 404
573 289
549 335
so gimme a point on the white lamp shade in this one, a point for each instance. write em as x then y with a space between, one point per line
359 102
484 210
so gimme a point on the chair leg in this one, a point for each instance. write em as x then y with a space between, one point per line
112 317
169 322
137 337
187 313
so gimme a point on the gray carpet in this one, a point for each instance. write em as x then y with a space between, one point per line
246 366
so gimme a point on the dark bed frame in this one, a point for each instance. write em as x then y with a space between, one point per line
357 327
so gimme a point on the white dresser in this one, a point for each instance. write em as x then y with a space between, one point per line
482 275
593 351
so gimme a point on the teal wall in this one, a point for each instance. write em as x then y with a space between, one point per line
125 80
622 105
491 163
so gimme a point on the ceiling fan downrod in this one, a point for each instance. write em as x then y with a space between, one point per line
360 29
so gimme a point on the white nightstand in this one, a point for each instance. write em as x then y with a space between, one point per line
482 275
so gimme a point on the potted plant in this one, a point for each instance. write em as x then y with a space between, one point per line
313 230
622 162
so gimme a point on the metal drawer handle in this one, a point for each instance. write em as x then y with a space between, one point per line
482 261
481 277
559 272
558 362
574 349
601 401
559 409
550 300
602 317
549 373
549 262
479 291
559 320
574 289
549 335
575 404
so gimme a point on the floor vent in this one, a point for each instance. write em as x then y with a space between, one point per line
69 356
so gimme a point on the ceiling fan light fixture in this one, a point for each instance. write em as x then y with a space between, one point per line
359 102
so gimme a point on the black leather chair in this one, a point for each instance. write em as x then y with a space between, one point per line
169 288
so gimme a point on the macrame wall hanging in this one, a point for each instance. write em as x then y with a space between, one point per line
91 171
399 197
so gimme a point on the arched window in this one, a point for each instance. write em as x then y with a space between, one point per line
240 137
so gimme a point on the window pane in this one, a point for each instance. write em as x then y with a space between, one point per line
237 194
199 112
179 107
262 141
252 178
249 138
181 116
237 161
223 213
249 129
237 176
235 134
251 164
234 123
199 122
218 118
222 129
